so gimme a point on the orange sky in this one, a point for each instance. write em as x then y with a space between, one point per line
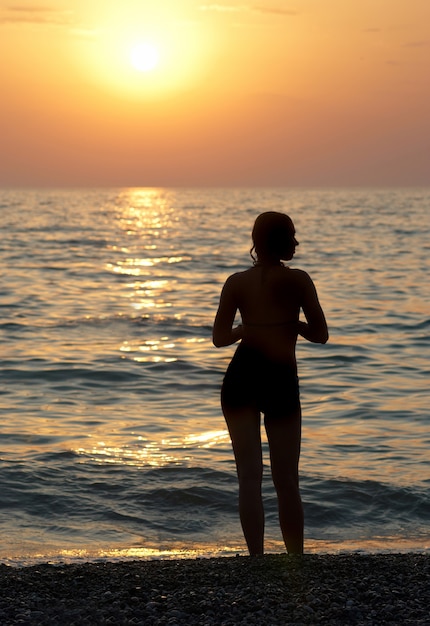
276 92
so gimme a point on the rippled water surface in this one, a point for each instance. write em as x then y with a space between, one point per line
112 441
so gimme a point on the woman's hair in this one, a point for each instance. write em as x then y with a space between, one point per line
271 235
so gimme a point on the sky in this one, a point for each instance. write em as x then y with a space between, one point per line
176 93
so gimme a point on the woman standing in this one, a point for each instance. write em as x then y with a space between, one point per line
262 376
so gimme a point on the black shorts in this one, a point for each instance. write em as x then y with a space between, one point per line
255 381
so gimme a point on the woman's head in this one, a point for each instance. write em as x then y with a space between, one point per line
273 237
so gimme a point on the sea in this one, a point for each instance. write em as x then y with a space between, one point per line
112 441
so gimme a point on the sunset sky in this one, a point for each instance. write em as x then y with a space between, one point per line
189 93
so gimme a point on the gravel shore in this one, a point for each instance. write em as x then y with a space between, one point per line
350 589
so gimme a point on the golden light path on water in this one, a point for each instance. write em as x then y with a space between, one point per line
147 217
153 454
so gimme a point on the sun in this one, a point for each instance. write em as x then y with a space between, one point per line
137 55
144 57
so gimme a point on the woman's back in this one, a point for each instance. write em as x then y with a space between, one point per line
269 300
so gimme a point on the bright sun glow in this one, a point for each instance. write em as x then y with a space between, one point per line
139 56
144 57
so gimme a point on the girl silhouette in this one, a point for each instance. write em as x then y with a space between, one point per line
262 376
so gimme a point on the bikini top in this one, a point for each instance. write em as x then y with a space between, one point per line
261 324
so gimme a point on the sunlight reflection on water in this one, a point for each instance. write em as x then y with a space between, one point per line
108 365
155 454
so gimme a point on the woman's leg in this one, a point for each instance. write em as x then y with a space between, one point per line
284 437
244 428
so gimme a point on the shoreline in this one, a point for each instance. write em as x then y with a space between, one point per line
29 554
333 589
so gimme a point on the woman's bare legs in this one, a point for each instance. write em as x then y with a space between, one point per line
284 437
244 428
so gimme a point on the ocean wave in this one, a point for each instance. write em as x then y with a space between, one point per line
187 501
358 504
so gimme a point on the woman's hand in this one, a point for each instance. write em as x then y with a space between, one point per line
237 333
315 334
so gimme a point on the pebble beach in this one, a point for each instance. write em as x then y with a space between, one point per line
353 589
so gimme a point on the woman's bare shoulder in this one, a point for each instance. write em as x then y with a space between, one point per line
300 275
239 277
234 282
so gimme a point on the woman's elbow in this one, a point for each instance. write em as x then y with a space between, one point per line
218 340
221 339
324 337
319 335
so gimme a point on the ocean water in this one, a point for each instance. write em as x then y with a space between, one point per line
112 441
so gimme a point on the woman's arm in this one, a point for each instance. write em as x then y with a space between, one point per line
223 333
315 328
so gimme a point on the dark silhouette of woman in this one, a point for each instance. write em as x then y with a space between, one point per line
262 376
